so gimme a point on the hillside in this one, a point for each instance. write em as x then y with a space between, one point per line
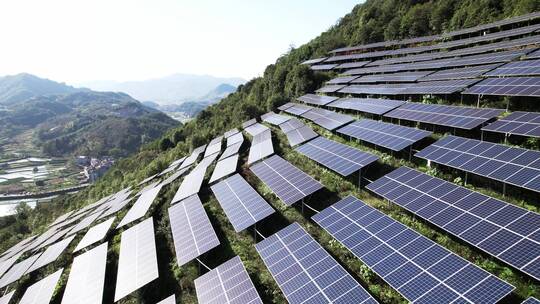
283 82
20 87
171 89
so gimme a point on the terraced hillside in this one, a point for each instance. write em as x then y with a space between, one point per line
392 172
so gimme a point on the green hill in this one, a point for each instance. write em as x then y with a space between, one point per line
375 20
20 87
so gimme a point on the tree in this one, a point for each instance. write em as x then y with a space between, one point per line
165 144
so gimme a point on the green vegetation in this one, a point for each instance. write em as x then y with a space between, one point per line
281 82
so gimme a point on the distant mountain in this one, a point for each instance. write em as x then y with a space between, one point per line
20 87
171 89
219 92
81 121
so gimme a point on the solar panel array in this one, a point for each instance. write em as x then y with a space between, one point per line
498 228
384 134
87 277
261 147
227 283
534 55
305 272
242 204
512 86
516 166
297 109
141 206
274 119
460 73
449 116
249 123
340 158
330 88
300 135
18 270
290 125
314 60
256 128
173 177
327 119
192 231
235 139
517 123
289 183
51 254
137 261
95 234
230 133
531 300
319 100
42 291
224 167
193 181
376 106
7 297
420 88
517 68
323 67
231 150
213 147
341 80
86 222
169 300
418 268
396 77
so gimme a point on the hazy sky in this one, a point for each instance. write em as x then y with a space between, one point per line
76 41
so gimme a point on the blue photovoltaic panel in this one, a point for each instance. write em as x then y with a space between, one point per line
323 67
224 168
342 80
395 77
227 283
286 106
241 203
341 158
511 86
289 183
231 150
274 119
500 229
383 134
314 60
230 133
534 55
290 125
329 120
531 300
261 147
449 116
300 135
192 231
418 268
330 88
460 73
516 166
305 272
234 139
517 123
248 123
256 128
319 100
297 109
517 68
376 106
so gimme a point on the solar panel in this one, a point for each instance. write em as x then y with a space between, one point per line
439 87
193 181
137 263
231 150
341 158
86 222
347 57
290 125
499 228
305 272
289 183
44 237
113 209
231 133
171 167
375 106
95 234
213 147
235 139
516 166
409 58
330 88
517 123
418 268
297 109
6 264
242 204
42 291
261 147
190 160
18 270
466 118
323 67
375 89
534 55
517 68
57 236
224 168
174 176
512 86
274 119
140 207
146 180
227 283
87 277
256 128
342 80
249 123
51 254
384 134
192 231
531 300
460 73
327 119
61 218
351 65
7 297
395 77
314 60
170 300
319 100
286 106
300 135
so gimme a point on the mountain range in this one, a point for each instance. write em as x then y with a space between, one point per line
173 89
